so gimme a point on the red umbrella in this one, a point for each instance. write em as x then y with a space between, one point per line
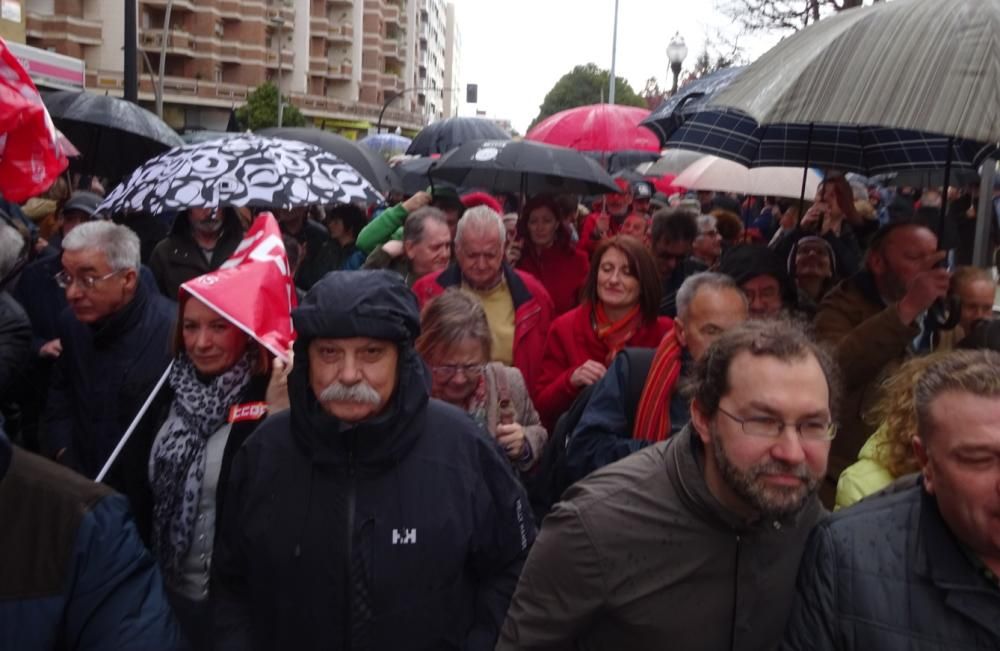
603 128
665 184
30 154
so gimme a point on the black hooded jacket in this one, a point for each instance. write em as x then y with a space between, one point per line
404 531
177 258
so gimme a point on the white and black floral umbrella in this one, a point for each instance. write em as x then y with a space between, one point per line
244 171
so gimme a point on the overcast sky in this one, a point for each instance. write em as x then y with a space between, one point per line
517 49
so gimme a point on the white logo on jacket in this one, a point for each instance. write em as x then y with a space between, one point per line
408 537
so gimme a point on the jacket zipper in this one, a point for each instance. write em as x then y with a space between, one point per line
736 596
349 632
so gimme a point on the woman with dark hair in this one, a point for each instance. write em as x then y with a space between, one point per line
344 222
621 301
455 341
175 467
548 254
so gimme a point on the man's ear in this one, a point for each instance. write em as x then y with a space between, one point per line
701 422
926 467
131 278
681 333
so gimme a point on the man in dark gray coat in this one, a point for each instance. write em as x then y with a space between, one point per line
917 568
692 543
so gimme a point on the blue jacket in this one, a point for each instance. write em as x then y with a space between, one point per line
73 572
103 376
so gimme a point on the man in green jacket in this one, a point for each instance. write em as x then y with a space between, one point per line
692 543
388 225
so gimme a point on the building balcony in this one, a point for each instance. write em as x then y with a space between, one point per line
343 4
390 14
318 65
71 28
176 5
178 41
339 70
319 24
230 52
342 33
392 82
287 59
394 50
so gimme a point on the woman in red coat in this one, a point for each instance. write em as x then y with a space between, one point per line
620 309
549 255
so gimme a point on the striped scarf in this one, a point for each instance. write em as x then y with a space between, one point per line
652 418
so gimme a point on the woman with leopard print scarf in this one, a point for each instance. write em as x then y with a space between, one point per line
178 461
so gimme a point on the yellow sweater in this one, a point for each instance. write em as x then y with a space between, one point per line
499 306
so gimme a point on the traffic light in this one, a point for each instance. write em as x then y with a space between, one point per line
471 93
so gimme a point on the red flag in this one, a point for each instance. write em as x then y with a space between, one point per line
253 289
31 157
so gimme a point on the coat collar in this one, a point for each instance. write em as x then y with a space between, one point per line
519 292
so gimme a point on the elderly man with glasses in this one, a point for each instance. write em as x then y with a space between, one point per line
693 543
115 346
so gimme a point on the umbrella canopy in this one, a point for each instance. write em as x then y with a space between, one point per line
412 174
673 161
924 65
31 154
114 136
369 164
444 135
520 165
245 171
721 175
689 99
204 135
386 144
601 128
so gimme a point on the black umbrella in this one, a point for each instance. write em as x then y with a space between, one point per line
517 166
444 135
412 174
114 136
368 163
247 170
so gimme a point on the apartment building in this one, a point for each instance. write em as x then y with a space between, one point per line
452 64
337 60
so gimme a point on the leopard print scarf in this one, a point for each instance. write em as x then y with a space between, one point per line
177 461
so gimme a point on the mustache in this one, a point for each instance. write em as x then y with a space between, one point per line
799 471
362 393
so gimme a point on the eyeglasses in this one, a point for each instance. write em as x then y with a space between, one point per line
447 371
64 279
771 428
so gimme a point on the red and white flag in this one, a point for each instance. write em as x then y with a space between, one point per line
253 289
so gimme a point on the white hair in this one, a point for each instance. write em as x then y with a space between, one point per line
118 243
479 219
11 245
706 221
694 284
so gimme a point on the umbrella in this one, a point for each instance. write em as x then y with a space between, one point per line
412 174
609 131
673 161
721 175
924 65
369 164
386 144
245 171
444 135
204 135
691 98
31 154
113 136
518 166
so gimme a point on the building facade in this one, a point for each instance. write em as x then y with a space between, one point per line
452 64
338 61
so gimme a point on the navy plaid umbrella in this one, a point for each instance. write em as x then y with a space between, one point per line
691 98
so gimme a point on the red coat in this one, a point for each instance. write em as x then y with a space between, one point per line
562 270
571 342
533 313
587 244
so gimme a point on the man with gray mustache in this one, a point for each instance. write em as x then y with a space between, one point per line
368 515
693 543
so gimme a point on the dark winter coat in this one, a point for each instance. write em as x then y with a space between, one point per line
15 343
73 572
888 574
403 531
103 376
178 258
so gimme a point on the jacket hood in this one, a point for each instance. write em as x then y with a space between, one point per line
345 304
747 261
230 224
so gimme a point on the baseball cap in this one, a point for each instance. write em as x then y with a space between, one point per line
83 201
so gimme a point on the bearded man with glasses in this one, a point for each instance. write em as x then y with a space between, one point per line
693 543
115 346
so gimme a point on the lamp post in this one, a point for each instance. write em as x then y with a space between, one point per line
279 23
130 72
614 53
677 51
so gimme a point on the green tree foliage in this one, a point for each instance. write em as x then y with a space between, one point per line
582 86
261 110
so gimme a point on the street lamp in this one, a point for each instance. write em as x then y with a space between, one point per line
279 23
677 51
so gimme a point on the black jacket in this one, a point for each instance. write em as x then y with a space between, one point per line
130 474
15 353
404 531
103 376
888 574
177 258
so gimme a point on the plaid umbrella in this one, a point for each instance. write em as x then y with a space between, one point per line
926 65
691 98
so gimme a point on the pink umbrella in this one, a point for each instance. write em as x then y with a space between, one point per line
598 128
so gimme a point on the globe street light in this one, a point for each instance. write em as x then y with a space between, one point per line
677 51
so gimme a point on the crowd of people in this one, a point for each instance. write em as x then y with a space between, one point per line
550 422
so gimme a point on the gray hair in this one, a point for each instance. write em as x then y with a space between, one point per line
479 219
415 224
706 221
11 245
694 284
973 372
118 243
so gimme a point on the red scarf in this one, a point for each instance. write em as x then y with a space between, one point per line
615 334
652 418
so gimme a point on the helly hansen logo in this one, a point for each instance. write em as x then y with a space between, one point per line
407 537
